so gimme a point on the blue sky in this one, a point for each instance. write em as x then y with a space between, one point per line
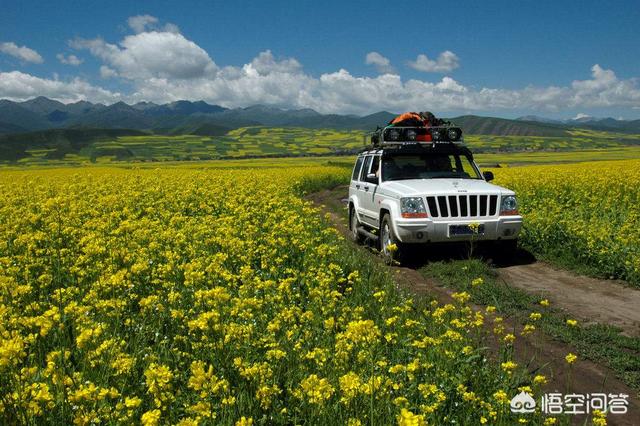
505 58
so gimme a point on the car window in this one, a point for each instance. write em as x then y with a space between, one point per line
356 169
428 166
375 166
365 168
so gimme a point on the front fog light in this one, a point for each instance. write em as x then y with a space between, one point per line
412 207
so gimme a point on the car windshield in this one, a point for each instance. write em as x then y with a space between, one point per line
428 166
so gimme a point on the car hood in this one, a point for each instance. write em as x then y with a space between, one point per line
411 187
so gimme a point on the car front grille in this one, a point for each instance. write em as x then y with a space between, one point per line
463 205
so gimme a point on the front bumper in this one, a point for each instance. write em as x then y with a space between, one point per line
430 231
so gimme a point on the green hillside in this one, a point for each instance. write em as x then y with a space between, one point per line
74 146
475 125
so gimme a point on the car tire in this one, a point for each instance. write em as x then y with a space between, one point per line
354 223
387 237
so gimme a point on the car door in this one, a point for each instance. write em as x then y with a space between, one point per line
354 186
359 185
369 190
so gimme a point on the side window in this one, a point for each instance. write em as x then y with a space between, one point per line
356 169
375 166
365 168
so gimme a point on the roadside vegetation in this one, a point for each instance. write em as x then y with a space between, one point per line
534 313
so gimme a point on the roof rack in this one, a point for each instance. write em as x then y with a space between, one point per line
416 136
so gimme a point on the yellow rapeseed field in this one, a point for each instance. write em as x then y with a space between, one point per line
586 213
200 296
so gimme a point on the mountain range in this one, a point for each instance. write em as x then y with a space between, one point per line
201 118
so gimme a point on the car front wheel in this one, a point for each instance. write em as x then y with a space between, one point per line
356 237
390 247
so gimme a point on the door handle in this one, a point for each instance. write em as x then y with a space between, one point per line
357 186
366 188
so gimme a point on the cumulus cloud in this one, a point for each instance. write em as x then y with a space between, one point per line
21 52
447 61
382 64
142 23
151 54
69 59
19 86
106 72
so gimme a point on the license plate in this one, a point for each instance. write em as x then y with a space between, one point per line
455 230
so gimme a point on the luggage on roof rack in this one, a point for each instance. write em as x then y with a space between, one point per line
416 128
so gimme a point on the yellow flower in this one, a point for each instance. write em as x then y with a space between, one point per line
509 338
315 390
476 282
528 329
462 297
572 322
509 366
244 421
535 316
544 302
501 397
151 418
599 418
570 358
539 379
407 418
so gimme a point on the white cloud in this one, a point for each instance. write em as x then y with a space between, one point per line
19 86
142 23
23 53
265 64
152 55
382 64
106 72
69 59
447 61
581 115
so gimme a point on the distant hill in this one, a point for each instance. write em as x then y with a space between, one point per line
604 124
475 125
200 117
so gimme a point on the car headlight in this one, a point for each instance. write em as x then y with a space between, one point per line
508 205
411 207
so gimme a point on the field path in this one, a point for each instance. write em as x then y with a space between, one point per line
589 299
539 353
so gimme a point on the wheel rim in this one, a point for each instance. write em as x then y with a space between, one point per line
386 239
354 224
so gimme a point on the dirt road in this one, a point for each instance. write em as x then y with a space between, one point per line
585 298
593 300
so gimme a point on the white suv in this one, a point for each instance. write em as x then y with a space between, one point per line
428 193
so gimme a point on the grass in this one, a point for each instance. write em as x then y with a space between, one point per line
598 342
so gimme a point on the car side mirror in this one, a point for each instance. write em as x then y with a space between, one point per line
488 176
372 178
